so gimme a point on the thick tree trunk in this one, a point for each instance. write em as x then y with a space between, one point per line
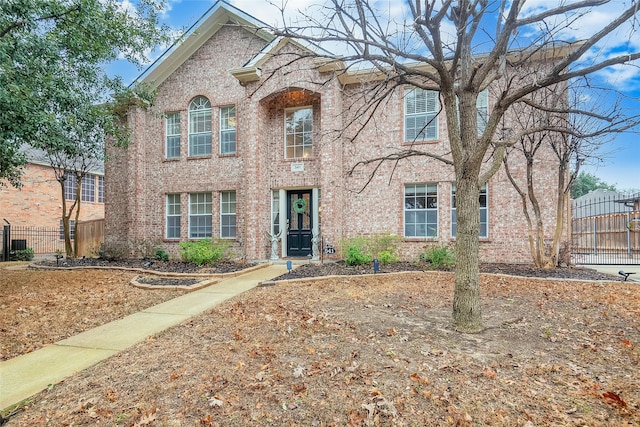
467 314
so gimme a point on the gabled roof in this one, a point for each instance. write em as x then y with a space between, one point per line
202 30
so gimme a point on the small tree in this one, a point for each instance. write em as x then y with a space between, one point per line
567 128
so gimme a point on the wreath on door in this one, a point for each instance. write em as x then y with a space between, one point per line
300 206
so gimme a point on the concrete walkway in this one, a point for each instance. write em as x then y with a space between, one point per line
26 375
615 269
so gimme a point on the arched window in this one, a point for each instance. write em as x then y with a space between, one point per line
200 127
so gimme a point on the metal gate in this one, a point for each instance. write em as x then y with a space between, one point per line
605 228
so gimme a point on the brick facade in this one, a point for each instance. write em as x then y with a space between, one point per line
139 178
39 202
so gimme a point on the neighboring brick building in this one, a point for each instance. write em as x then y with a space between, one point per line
226 152
38 203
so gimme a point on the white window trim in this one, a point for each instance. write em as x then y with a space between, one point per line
437 210
452 208
167 134
190 125
229 129
167 216
435 112
234 214
190 215
284 124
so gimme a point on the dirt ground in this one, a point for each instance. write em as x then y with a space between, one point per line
357 351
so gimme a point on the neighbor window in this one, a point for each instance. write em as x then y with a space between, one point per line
200 127
199 215
298 129
484 213
228 130
228 214
421 210
88 189
172 149
100 189
72 230
420 114
70 186
173 216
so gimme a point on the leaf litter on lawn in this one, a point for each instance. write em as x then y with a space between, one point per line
320 353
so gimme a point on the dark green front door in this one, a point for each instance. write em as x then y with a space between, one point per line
300 223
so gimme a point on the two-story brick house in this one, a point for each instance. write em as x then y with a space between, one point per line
243 143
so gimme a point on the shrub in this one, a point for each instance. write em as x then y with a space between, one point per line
22 255
112 252
205 251
363 249
355 255
438 256
161 255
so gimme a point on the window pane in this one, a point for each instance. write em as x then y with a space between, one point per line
420 119
421 210
298 133
70 186
228 130
88 189
173 135
228 214
200 215
200 127
100 189
173 216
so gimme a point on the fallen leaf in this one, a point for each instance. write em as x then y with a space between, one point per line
613 399
415 377
215 402
299 388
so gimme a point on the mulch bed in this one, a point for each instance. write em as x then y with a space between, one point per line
151 265
524 270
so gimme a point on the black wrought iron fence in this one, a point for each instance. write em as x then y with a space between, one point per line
42 240
605 229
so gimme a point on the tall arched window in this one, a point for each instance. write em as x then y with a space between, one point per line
200 127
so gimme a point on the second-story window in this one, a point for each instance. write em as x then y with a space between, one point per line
298 130
420 114
228 130
200 127
172 150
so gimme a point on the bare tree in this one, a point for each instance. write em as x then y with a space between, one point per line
573 122
461 48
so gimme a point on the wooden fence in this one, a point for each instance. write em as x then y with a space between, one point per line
90 237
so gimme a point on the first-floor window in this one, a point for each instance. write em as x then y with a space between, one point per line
173 216
484 212
199 215
228 214
275 211
72 231
421 210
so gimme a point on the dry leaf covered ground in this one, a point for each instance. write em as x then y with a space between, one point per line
374 351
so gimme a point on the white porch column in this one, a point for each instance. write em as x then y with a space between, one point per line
316 247
282 199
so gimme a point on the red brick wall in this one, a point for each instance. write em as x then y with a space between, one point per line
39 202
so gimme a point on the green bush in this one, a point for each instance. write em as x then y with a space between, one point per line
439 256
363 249
21 255
161 255
356 256
206 251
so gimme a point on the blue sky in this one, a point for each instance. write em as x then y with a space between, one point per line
621 163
